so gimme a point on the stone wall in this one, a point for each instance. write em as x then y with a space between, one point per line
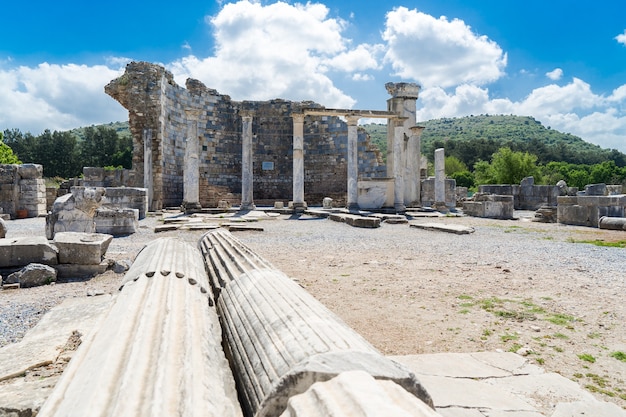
22 188
428 192
527 195
100 177
159 126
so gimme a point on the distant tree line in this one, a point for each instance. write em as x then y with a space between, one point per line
64 154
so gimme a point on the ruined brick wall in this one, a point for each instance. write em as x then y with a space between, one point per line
157 104
22 187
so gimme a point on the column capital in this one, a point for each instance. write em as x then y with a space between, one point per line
403 90
298 117
246 113
417 130
352 120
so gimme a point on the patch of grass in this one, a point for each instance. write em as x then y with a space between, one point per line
560 319
560 336
594 335
587 357
597 379
557 349
507 337
600 242
540 361
515 347
465 297
619 355
464 311
466 305
577 375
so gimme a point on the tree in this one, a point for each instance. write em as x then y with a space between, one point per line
6 153
454 164
511 167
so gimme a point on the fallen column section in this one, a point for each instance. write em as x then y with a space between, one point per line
279 339
158 350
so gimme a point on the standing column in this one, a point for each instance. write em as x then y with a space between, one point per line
247 182
398 174
440 178
191 168
147 167
412 184
353 163
298 162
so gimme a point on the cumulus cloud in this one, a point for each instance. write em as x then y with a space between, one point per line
278 50
555 74
621 38
56 97
440 52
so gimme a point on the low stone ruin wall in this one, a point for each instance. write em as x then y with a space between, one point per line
22 190
101 177
527 195
490 206
582 210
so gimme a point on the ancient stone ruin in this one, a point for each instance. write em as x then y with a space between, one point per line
22 190
194 147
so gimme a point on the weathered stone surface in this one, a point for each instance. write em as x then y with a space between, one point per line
281 339
356 220
30 171
490 206
3 228
79 271
74 212
356 394
82 248
449 228
585 210
158 350
21 251
126 198
375 193
116 222
33 275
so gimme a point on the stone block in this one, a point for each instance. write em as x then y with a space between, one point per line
81 248
20 251
375 193
117 222
595 189
33 275
30 171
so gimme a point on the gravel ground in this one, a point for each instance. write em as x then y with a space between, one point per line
510 285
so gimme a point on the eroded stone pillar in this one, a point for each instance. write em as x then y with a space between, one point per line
247 181
280 339
191 169
412 184
298 161
399 157
440 177
157 352
353 163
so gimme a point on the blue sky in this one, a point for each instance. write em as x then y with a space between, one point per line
562 62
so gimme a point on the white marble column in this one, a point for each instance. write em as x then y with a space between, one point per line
398 171
191 168
298 161
412 184
353 163
440 177
247 182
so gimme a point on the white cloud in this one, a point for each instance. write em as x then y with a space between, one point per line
278 50
621 38
362 77
440 52
555 74
56 97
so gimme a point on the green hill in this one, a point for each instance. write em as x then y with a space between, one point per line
474 138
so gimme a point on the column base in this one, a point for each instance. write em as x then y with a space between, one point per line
247 206
353 207
298 207
441 207
400 208
190 207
